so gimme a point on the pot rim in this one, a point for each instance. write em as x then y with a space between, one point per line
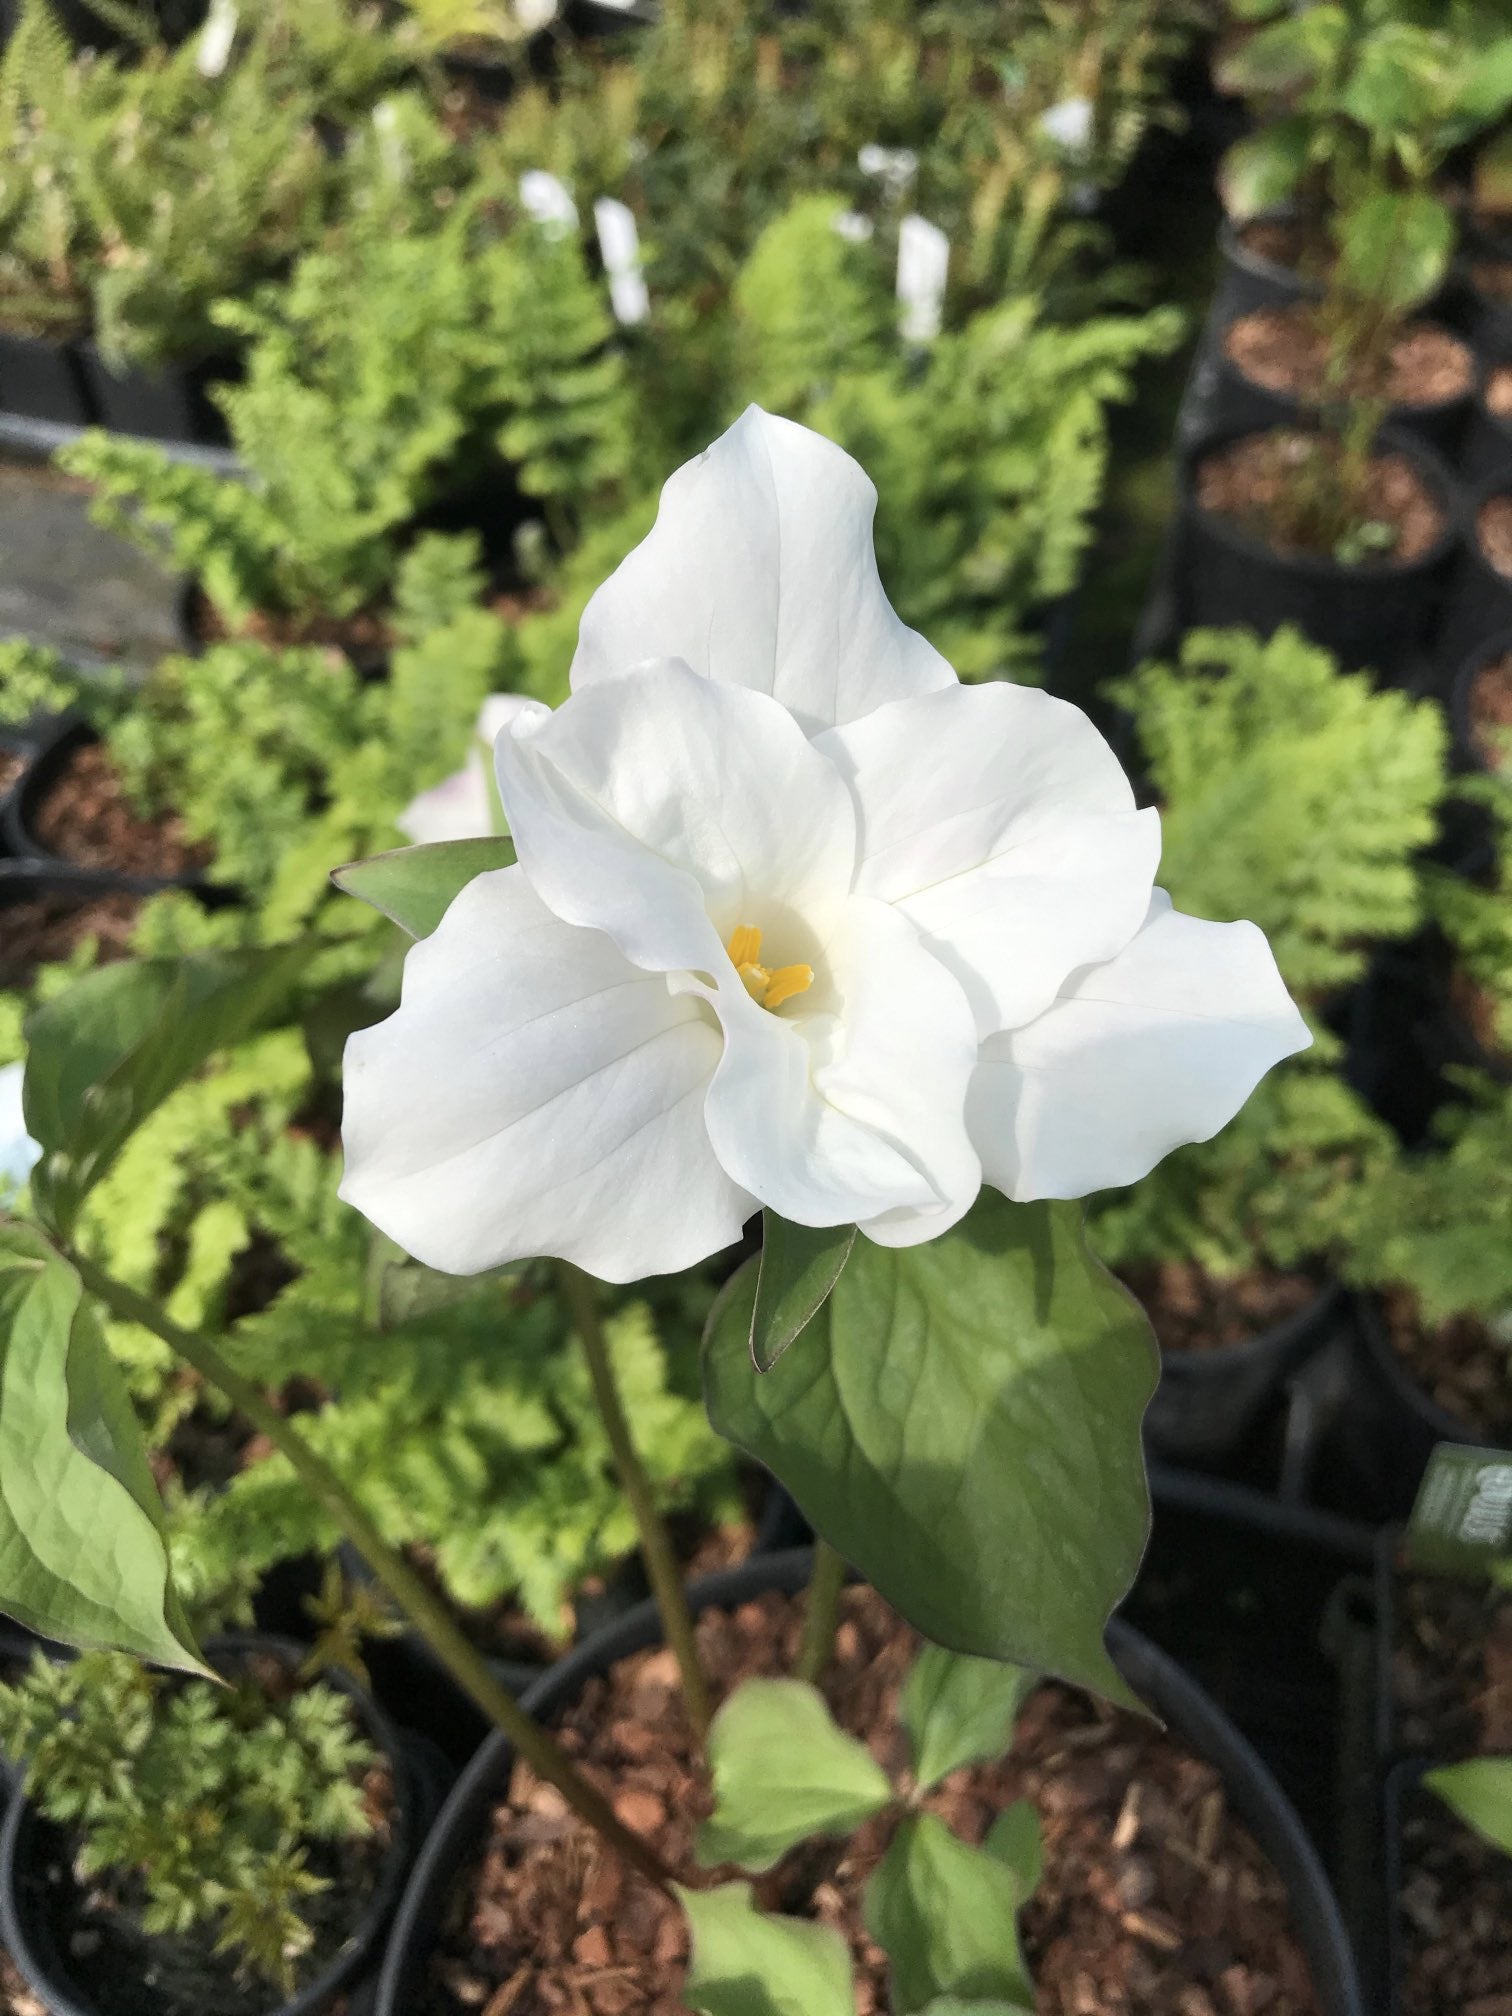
1318 566
1233 248
22 1822
1498 645
1472 501
1178 1700
1292 1333
1405 410
1370 1324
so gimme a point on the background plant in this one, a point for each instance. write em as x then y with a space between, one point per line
197 1810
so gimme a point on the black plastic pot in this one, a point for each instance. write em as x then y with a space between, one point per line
1487 452
40 379
1208 1402
167 402
1487 320
1247 281
1467 749
1244 406
1478 596
1253 1794
1407 1040
1392 1426
1376 615
34 1873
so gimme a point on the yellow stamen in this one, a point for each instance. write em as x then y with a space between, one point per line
770 989
785 983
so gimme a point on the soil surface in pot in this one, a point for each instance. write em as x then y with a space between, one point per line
1491 711
366 638
1492 279
1250 480
1460 1365
87 817
1494 524
12 766
125 1972
42 929
1155 1900
1192 1310
1499 392
1451 1667
16 1999
1453 1910
1284 350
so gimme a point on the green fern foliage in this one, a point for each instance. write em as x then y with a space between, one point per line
1290 793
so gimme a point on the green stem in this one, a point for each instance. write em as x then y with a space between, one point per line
662 1570
422 1606
825 1584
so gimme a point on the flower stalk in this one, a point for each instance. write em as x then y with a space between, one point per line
662 1569
822 1614
424 1610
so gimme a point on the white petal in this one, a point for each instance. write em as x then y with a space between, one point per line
856 1107
666 810
1000 822
535 1094
759 572
18 1152
1160 1046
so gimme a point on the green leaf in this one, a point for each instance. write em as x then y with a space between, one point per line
782 1771
1261 172
1394 250
799 1266
1285 57
1016 1841
961 1421
82 1554
748 1964
959 1710
1480 1792
956 2005
103 1055
415 886
945 1913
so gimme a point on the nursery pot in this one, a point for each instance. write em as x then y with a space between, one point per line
1248 280
1407 1037
40 379
1207 1402
1252 1793
1375 615
1407 1804
1243 404
1487 317
34 1882
1478 599
1469 754
1488 438
162 402
1392 1427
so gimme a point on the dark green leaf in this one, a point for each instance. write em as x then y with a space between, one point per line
783 1771
962 1423
799 1266
103 1055
957 2005
1014 1838
1287 56
1394 251
748 1964
415 886
945 1913
1261 172
82 1556
959 1710
1480 1792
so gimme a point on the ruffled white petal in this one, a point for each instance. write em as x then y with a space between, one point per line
666 810
855 1106
1160 1046
759 572
536 1094
1000 822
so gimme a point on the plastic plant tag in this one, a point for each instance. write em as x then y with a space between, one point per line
619 241
549 201
1462 1519
923 259
216 38
894 167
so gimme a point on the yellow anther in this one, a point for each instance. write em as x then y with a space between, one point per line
745 946
785 983
770 989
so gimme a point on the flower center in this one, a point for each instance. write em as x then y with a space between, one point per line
770 988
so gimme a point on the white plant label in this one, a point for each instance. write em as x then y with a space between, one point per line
549 201
923 262
619 242
216 38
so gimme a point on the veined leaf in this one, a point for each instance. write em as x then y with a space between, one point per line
799 1266
946 1915
959 1710
746 1963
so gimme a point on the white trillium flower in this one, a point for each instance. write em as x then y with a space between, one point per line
19 1153
798 921
465 805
